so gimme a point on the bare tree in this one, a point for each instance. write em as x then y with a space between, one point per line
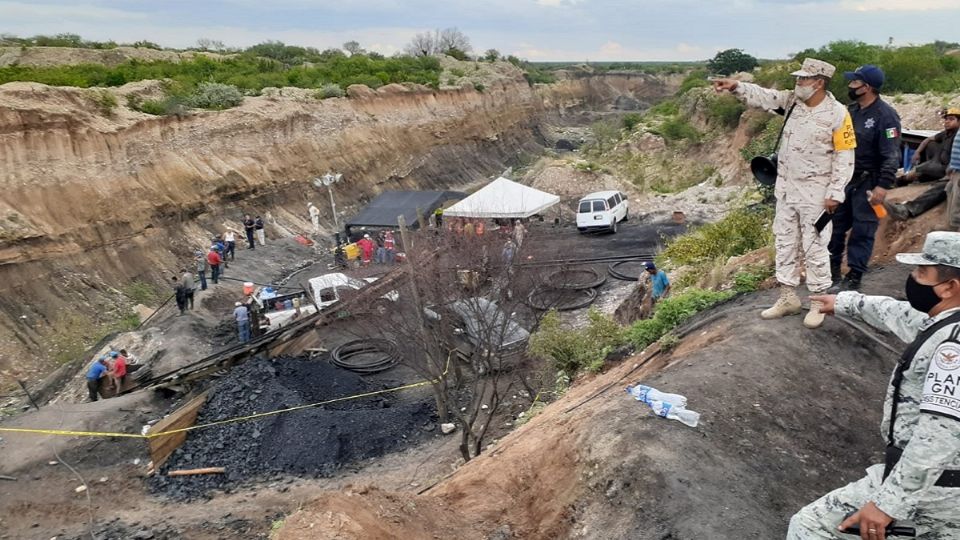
422 44
206 44
353 48
462 323
491 55
447 41
452 38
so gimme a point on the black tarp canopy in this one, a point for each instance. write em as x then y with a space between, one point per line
382 211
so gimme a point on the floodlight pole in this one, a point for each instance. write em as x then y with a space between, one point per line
328 180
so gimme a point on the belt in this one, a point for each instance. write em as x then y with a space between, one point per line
948 479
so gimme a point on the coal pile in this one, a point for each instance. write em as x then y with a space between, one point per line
306 443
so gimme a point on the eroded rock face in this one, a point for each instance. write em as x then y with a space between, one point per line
91 200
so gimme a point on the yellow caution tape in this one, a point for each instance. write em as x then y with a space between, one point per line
69 433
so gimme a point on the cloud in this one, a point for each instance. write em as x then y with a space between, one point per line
901 5
21 11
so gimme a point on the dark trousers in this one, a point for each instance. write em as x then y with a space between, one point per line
250 244
190 298
231 251
214 272
936 194
93 388
856 216
202 274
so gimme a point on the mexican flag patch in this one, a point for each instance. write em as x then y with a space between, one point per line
892 133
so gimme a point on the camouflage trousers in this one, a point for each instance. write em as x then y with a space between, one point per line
937 517
797 243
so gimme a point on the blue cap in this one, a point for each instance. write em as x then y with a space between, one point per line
869 74
114 354
650 266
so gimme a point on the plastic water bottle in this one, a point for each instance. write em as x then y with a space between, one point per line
647 394
666 410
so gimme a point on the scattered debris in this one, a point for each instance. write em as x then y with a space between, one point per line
447 429
5 477
316 441
80 489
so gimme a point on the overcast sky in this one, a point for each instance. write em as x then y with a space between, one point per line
564 30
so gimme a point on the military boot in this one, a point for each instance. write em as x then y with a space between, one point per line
897 211
851 281
814 317
787 304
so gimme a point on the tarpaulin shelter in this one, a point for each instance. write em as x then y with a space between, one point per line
503 199
383 210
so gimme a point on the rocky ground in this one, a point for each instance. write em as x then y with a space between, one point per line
311 442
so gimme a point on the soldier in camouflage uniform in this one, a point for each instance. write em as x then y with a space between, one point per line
815 164
920 481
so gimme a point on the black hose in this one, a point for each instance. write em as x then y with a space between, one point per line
588 260
388 357
614 271
539 298
165 302
556 280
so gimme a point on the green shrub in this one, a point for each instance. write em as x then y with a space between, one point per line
667 107
451 82
762 143
677 129
725 111
479 87
330 91
248 71
750 278
571 351
741 231
215 96
140 292
695 79
566 350
104 100
457 72
672 312
630 121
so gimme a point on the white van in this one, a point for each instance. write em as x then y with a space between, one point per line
601 210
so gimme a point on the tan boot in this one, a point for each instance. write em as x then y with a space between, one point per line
814 317
787 304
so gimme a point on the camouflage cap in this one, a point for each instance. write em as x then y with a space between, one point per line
812 68
940 247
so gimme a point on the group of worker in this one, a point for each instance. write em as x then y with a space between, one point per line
839 161
111 367
382 249
932 161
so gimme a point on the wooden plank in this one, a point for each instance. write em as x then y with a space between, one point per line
190 472
161 447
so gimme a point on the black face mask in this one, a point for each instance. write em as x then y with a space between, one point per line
852 94
921 297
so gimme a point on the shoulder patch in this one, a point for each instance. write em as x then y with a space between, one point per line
941 388
845 138
892 133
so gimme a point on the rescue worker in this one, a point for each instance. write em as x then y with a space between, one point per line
877 127
920 480
815 163
314 217
953 187
932 158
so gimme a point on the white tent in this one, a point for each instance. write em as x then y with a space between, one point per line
503 199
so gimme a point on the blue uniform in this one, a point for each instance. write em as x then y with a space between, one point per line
877 159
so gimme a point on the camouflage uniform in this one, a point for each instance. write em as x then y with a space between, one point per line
930 442
815 162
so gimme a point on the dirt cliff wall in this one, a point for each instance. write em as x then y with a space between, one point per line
94 200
